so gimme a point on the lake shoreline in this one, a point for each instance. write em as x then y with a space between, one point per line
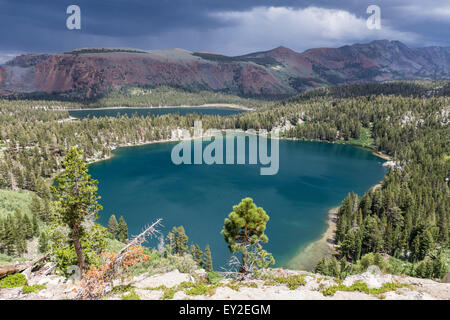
378 154
208 105
382 155
309 255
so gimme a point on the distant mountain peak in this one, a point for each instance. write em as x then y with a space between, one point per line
90 72
281 49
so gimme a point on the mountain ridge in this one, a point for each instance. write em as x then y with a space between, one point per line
91 72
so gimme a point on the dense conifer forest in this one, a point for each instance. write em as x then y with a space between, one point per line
406 217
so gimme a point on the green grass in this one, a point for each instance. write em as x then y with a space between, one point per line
362 287
131 295
13 281
189 288
122 289
236 286
5 259
34 288
293 281
126 292
113 245
214 277
169 293
201 289
12 200
447 159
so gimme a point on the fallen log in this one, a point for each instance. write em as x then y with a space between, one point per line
8 269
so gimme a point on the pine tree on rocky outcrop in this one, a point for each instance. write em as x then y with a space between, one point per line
244 230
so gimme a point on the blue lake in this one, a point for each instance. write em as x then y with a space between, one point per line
142 184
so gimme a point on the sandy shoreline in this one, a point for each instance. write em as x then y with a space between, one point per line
381 155
210 105
308 257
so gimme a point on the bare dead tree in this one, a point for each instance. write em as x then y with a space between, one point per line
235 267
99 283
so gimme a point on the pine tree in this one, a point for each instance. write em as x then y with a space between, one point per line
123 230
10 236
113 226
178 240
46 211
76 199
333 268
27 227
244 228
43 242
321 267
197 254
207 263
36 206
35 226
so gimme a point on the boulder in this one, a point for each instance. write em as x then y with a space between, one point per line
200 275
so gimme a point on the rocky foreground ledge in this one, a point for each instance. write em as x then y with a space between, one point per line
273 284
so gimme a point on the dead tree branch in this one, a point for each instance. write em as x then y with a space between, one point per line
100 282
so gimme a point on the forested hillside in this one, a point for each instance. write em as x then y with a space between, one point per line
407 217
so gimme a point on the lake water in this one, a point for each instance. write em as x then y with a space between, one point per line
142 184
143 112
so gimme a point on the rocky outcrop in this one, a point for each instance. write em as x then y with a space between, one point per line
274 284
88 73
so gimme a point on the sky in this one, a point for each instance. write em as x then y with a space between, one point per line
230 27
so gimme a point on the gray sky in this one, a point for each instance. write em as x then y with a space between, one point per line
231 27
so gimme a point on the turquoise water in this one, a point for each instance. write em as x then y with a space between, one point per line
142 184
143 112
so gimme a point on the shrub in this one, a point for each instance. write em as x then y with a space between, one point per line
293 281
34 288
201 289
362 287
122 289
184 264
132 295
169 293
13 280
214 277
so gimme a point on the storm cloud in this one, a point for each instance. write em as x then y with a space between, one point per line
229 26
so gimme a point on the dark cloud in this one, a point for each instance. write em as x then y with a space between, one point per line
39 26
